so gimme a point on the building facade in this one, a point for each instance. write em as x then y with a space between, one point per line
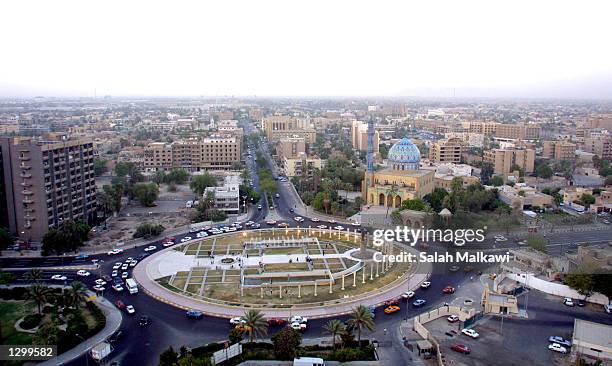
277 127
301 166
211 153
447 151
559 150
359 137
47 182
290 147
504 159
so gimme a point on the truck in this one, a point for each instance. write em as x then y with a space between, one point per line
308 361
100 351
132 286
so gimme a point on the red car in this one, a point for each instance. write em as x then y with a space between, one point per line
392 302
461 348
448 289
119 304
276 321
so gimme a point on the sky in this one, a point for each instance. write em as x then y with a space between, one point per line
532 48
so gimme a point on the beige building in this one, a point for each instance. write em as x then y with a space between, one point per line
521 196
46 183
447 151
359 137
592 340
504 159
290 147
277 127
559 150
301 165
600 146
591 256
518 131
210 153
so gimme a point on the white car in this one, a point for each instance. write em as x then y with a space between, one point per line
425 284
298 219
124 275
338 227
298 319
150 248
115 274
271 222
115 251
237 320
298 326
125 266
557 348
133 263
100 282
167 243
314 219
130 309
59 277
470 332
355 223
232 229
322 227
408 295
117 265
452 318
118 288
98 288
83 273
608 308
568 302
185 239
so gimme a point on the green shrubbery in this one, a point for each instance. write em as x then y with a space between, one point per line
147 230
31 321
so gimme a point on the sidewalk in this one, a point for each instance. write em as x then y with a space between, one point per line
113 322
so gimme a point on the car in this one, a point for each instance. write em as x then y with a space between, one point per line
237 320
452 318
557 348
355 223
144 321
581 303
248 223
291 210
470 332
167 244
117 287
185 239
461 348
100 282
282 224
107 278
259 207
522 242
322 226
115 251
119 304
194 314
392 302
115 336
448 289
115 274
125 275
150 248
314 219
133 263
568 302
82 256
255 226
500 238
277 195
298 318
130 309
408 295
99 288
608 308
425 284
418 303
332 221
59 277
298 326
125 266
117 265
271 222
276 321
298 219
560 340
392 309
339 227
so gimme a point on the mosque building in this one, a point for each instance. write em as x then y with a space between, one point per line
401 180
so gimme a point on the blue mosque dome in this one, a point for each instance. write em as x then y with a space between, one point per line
404 155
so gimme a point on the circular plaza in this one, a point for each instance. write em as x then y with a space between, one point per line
319 272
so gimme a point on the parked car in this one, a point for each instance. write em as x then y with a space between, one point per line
117 265
425 284
194 314
100 282
130 309
314 219
117 287
452 318
125 275
581 303
461 348
125 266
568 302
392 309
557 348
99 288
470 332
115 336
271 222
608 308
562 341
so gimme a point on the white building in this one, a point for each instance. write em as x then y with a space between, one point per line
227 197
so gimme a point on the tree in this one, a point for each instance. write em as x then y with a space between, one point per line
146 193
537 242
6 238
416 204
544 171
235 335
587 199
34 274
286 343
76 293
581 281
159 177
68 237
436 198
126 168
602 283
199 183
333 328
255 324
361 318
176 176
168 358
147 230
99 166
216 215
39 294
497 181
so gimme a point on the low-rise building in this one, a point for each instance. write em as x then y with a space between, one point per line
592 340
301 166
227 197
521 196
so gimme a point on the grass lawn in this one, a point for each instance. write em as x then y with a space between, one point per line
273 251
10 312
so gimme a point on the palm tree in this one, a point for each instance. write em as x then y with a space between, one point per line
255 324
76 292
392 191
39 294
34 274
362 318
333 328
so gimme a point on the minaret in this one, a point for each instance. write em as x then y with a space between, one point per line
370 156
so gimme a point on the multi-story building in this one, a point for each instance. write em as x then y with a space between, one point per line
227 197
504 159
359 137
290 147
559 150
302 165
506 131
277 127
601 147
210 153
447 151
45 183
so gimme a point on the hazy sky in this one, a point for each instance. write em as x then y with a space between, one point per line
294 47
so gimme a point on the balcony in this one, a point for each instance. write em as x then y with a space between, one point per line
29 217
24 158
26 167
25 184
27 201
25 175
26 192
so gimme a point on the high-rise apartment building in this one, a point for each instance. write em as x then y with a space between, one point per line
504 159
277 127
290 147
600 146
447 151
559 150
359 137
210 153
45 183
